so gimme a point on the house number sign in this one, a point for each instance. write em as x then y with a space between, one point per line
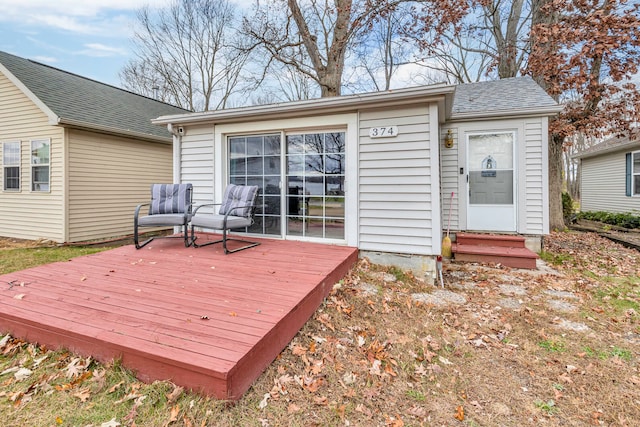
383 132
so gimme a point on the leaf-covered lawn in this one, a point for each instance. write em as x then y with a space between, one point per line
496 347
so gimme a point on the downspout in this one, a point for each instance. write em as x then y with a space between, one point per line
177 152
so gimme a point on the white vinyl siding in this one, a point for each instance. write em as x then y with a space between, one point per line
25 214
603 184
450 179
108 176
196 162
396 191
534 188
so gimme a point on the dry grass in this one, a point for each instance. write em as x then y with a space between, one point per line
501 347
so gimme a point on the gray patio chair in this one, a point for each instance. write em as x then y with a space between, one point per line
237 210
170 206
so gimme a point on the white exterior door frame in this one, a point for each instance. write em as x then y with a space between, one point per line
491 180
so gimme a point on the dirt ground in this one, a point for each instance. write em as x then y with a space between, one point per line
619 234
556 346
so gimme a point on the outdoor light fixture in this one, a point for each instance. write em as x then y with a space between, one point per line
448 139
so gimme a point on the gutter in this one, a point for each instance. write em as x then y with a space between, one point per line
111 130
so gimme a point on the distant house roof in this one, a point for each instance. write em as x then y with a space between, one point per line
629 142
507 97
72 100
498 97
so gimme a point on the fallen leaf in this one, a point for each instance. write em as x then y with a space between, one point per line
459 413
321 400
22 374
265 401
115 387
111 423
299 350
175 394
315 385
293 408
175 410
83 394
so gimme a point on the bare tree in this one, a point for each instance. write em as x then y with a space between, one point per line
188 54
489 39
323 29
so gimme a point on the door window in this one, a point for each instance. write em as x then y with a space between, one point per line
491 169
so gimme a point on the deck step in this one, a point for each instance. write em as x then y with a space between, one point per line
489 248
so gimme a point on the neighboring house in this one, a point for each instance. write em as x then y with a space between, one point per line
376 171
76 155
610 176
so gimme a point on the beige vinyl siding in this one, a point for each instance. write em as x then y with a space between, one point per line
196 162
108 177
395 185
603 184
450 179
532 197
26 214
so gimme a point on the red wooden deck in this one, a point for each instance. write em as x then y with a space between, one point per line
206 321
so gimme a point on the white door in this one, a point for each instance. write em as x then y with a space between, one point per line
491 182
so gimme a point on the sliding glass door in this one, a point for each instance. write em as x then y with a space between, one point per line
301 182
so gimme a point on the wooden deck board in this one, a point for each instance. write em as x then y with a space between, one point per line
204 320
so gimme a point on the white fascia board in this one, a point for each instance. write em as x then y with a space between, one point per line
340 104
516 113
53 117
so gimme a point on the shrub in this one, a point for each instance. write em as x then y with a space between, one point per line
625 220
567 208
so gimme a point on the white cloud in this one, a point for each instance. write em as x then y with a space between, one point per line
45 59
77 16
101 50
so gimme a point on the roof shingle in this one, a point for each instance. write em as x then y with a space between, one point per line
512 94
87 102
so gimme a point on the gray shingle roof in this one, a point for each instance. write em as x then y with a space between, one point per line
86 102
628 142
505 95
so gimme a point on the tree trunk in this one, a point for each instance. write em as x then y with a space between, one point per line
556 218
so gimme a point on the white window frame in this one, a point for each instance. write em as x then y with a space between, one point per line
635 192
8 164
36 162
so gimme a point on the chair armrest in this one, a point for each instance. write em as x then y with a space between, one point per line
239 207
206 204
137 213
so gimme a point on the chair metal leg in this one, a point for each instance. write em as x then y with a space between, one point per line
136 237
224 241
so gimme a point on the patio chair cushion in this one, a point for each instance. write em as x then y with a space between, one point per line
237 200
163 220
170 199
216 222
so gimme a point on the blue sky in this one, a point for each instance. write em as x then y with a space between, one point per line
86 37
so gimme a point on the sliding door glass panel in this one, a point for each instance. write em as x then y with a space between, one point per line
255 160
315 185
